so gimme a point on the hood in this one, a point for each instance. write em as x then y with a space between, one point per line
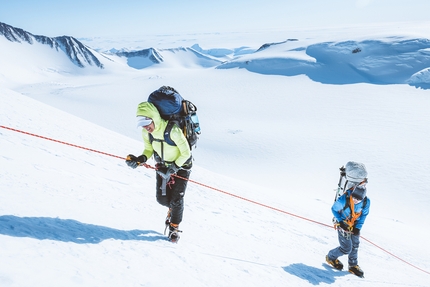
146 109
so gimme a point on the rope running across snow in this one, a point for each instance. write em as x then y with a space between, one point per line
213 188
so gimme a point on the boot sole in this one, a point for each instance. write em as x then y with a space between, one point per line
361 276
332 266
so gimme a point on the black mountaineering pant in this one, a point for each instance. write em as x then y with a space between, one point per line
175 191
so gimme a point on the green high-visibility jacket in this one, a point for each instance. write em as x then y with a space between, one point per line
178 154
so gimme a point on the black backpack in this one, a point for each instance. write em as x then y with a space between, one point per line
177 111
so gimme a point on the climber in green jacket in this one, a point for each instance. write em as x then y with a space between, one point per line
171 160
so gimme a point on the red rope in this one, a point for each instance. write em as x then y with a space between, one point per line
69 144
404 261
252 201
216 189
298 216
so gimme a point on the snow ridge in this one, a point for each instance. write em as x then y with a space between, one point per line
77 52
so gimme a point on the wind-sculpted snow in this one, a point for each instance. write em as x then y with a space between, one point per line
420 79
265 46
216 52
142 58
187 57
190 57
393 61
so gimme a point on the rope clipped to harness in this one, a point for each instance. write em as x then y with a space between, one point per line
218 190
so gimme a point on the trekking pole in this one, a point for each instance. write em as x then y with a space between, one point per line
339 188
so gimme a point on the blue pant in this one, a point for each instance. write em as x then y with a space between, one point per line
347 246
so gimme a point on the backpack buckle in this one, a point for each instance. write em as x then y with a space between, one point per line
188 107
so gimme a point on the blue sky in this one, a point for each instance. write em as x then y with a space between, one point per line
91 18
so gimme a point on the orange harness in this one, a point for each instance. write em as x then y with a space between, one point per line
354 215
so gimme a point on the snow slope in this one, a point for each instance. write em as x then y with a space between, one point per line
72 217
77 218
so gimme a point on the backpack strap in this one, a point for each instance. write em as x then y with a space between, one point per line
167 140
166 134
156 155
167 131
354 216
347 202
364 203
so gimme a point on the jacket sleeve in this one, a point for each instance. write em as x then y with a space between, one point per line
364 212
149 151
337 208
182 144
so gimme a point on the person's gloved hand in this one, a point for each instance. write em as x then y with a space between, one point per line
133 161
344 226
172 169
355 231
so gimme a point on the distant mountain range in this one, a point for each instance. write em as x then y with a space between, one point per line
387 60
82 55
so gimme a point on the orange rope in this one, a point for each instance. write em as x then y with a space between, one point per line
216 189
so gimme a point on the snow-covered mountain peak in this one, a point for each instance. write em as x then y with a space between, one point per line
77 52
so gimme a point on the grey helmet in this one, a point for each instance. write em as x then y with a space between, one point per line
355 172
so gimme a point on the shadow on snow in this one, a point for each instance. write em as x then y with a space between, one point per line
68 230
314 275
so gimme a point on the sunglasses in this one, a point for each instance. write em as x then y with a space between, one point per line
147 127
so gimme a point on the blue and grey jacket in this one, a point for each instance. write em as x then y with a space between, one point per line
342 211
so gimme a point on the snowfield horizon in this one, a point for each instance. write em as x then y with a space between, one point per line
383 60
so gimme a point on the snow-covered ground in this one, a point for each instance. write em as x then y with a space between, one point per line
72 217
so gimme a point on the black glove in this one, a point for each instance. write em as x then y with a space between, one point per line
355 231
133 161
172 169
344 226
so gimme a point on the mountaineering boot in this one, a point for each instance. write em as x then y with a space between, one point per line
167 222
356 270
335 263
174 232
